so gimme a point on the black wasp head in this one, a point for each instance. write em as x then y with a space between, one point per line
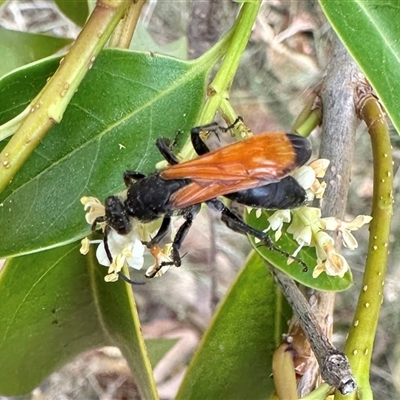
116 215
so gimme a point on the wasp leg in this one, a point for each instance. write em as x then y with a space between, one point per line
98 220
107 228
198 144
130 177
183 230
200 147
163 146
235 223
160 235
155 241
181 234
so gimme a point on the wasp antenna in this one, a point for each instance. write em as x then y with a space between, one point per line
130 281
106 246
299 261
185 255
97 221
126 279
268 242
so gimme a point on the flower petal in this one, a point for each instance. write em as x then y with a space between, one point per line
277 219
111 277
136 259
320 166
318 189
95 207
305 176
357 222
319 269
101 255
160 271
330 223
303 237
323 244
85 243
349 240
336 265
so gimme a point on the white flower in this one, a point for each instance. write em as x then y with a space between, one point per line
307 177
128 246
333 263
308 228
96 209
332 224
124 249
276 221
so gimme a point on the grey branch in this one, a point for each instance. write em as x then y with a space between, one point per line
334 365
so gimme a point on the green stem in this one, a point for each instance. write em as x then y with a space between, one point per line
49 106
360 342
232 46
318 394
124 31
221 84
309 118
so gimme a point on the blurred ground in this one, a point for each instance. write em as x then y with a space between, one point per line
282 65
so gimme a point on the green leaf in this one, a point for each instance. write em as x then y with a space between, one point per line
125 103
295 270
233 360
55 305
158 348
370 31
20 48
75 10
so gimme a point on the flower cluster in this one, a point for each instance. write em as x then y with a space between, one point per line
125 249
308 228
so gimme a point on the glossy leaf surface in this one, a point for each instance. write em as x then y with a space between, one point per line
75 10
20 48
125 103
55 305
295 270
233 360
